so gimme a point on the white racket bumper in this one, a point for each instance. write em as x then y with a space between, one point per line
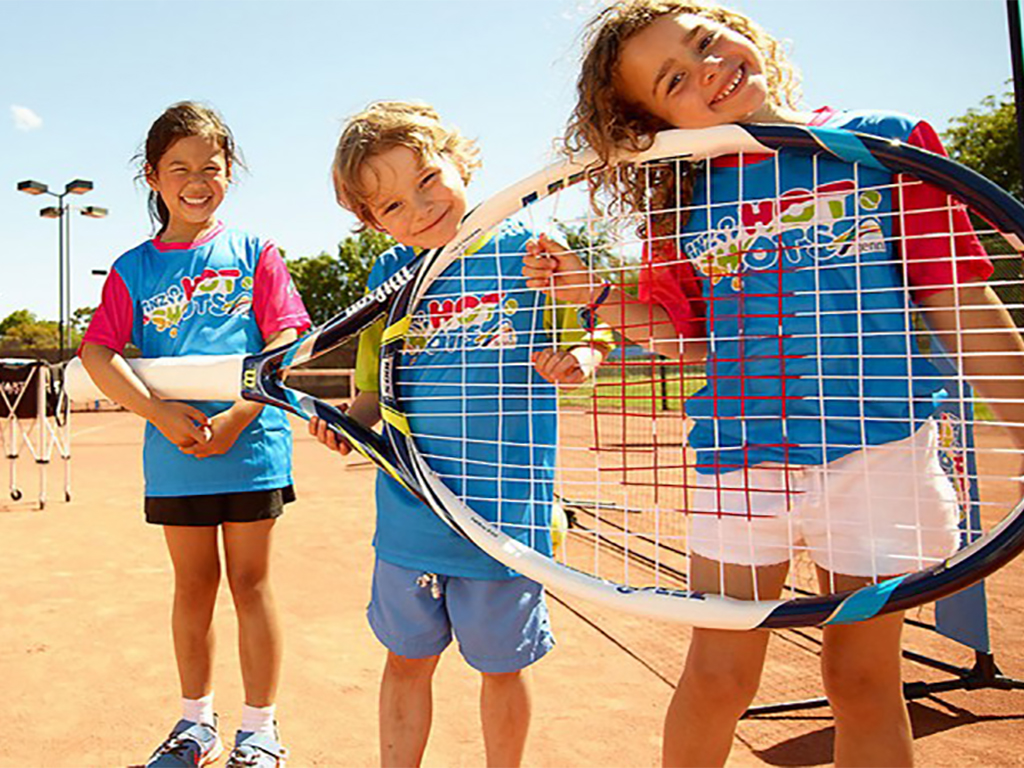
191 377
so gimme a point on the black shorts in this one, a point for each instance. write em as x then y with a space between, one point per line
217 508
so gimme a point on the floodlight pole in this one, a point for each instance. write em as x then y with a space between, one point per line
61 212
63 253
1017 62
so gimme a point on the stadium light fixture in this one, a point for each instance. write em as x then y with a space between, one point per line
32 187
78 187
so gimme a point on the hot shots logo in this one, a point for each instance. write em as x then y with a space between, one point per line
833 221
215 291
471 320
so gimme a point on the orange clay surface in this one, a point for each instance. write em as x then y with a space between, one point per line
87 675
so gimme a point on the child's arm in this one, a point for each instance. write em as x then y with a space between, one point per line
182 424
365 409
550 268
226 426
980 337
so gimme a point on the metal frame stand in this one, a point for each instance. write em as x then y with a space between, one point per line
51 422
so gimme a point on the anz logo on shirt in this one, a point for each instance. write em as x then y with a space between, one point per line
833 221
470 321
215 292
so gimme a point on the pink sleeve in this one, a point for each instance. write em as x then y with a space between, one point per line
111 324
941 248
668 280
275 301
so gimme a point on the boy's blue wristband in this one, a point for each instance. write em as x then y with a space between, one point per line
587 315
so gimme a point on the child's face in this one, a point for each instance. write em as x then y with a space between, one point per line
418 200
192 178
693 72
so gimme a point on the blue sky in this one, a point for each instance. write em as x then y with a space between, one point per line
83 80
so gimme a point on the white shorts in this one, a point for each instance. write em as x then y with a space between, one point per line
883 510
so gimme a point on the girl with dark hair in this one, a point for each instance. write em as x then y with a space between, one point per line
200 288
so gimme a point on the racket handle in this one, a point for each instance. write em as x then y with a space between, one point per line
370 444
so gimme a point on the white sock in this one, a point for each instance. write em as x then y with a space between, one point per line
198 710
258 719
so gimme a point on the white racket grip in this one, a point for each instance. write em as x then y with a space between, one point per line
191 377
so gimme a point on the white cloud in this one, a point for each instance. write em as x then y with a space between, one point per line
25 119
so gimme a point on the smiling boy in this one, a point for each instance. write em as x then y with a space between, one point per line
401 171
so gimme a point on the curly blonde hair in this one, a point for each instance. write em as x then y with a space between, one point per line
604 122
382 126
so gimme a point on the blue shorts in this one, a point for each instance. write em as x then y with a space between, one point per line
502 626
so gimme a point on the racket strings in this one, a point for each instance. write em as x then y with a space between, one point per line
791 325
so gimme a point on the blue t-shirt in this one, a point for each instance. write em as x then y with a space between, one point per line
476 327
812 353
198 299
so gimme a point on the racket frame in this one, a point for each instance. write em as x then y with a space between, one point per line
968 565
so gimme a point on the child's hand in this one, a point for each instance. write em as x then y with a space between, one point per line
181 423
223 431
569 368
551 268
327 436
560 367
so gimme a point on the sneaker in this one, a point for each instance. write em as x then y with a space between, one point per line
257 750
189 745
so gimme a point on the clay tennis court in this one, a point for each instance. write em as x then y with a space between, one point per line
89 679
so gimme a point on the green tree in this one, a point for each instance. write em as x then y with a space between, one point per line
328 283
358 255
80 320
35 334
23 330
315 278
593 243
16 318
985 140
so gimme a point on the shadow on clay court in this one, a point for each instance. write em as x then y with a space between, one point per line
928 716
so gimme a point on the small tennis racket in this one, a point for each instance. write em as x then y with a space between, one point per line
501 455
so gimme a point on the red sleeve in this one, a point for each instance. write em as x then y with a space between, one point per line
275 301
940 247
668 279
111 324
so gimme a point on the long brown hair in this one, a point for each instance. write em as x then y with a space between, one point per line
604 122
180 121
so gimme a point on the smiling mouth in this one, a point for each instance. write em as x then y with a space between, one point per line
196 200
434 223
741 73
